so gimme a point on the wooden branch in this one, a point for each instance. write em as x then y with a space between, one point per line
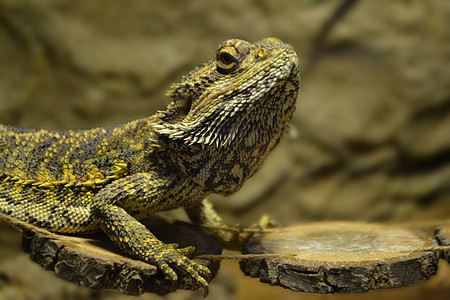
93 261
339 257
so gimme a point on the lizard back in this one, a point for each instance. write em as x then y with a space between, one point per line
48 178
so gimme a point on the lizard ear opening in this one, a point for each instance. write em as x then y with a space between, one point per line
181 102
186 104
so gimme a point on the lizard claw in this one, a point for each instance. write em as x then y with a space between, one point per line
205 291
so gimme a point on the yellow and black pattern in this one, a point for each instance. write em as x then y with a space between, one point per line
226 115
136 240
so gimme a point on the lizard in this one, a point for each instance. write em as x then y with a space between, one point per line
224 118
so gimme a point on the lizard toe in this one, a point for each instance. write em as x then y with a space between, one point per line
168 272
173 245
199 274
187 251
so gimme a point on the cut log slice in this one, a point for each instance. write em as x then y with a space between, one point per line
93 261
442 234
340 257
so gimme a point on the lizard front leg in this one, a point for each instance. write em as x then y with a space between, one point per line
143 190
205 214
233 237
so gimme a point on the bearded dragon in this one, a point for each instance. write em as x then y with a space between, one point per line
224 118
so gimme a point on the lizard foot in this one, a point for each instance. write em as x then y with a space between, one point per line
264 222
233 239
169 258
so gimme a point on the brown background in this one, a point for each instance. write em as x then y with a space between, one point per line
370 138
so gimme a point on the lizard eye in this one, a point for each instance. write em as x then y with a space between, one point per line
227 60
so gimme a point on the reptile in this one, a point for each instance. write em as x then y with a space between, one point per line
224 117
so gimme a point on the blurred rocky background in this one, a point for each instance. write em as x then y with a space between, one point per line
370 138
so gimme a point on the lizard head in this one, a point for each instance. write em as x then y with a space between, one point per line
243 97
232 90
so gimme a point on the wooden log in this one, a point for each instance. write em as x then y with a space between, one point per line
442 235
93 261
340 257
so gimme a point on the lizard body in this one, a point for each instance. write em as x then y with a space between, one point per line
226 115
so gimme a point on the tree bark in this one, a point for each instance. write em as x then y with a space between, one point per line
93 261
442 235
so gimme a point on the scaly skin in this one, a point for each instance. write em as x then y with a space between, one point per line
226 115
